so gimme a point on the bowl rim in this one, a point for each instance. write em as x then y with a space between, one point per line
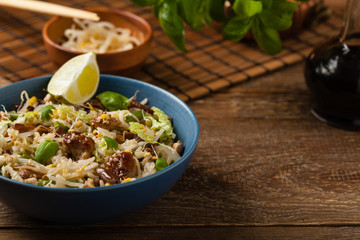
188 151
126 14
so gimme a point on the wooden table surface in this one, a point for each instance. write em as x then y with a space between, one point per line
264 168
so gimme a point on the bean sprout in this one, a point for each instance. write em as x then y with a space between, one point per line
98 37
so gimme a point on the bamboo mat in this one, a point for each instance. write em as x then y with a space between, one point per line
210 65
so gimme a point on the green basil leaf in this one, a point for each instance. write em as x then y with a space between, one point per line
247 8
205 12
236 28
156 8
144 2
191 12
274 21
45 151
138 114
172 24
113 101
46 111
111 143
267 38
267 4
217 10
283 7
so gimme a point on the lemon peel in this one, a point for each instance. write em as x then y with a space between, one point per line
76 81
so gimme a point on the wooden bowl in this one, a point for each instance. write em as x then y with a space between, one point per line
119 62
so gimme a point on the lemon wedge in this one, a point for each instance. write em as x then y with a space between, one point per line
76 81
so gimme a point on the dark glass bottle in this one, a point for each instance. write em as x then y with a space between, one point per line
332 73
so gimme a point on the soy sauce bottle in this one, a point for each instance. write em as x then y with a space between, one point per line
332 74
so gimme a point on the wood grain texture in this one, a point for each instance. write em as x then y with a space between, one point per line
263 161
150 233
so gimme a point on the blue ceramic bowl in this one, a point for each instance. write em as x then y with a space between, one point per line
94 205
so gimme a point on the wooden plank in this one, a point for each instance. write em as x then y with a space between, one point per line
206 232
262 160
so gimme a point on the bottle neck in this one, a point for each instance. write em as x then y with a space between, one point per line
351 23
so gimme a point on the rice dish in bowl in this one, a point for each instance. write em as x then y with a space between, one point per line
81 206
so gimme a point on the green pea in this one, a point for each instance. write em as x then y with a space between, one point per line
46 111
111 143
113 101
45 151
160 164
138 114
